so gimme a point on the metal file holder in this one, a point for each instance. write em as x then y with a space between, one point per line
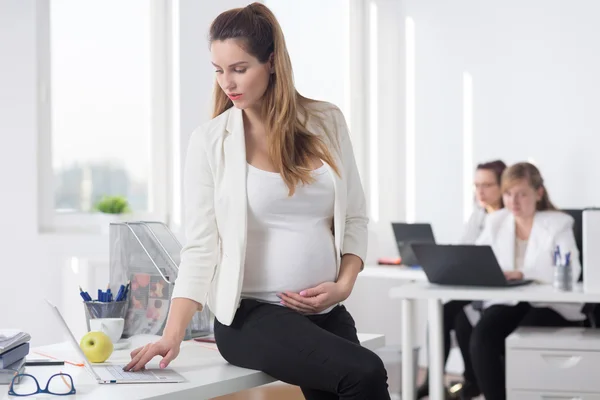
147 254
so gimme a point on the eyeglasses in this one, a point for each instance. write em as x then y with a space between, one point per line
60 384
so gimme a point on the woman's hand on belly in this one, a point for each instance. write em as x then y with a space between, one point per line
316 299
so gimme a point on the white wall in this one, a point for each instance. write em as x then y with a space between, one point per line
27 271
535 93
320 70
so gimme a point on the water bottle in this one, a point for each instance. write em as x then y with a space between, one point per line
563 273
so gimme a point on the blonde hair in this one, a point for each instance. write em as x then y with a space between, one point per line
291 144
528 172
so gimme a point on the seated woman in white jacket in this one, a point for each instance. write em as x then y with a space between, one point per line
488 199
523 236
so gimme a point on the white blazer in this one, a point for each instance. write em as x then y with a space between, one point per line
474 226
215 206
550 229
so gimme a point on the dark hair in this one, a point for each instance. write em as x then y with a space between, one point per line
496 166
253 24
531 174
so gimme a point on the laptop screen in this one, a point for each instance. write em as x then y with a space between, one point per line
412 233
72 339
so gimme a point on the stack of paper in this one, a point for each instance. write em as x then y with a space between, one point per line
14 346
10 338
7 374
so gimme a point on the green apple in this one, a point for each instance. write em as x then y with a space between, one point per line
96 346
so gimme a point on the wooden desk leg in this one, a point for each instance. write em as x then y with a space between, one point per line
408 327
436 349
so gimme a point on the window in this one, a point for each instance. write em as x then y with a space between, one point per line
108 108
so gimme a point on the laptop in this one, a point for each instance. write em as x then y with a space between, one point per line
463 265
115 373
408 234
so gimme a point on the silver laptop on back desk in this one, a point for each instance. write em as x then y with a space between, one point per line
115 373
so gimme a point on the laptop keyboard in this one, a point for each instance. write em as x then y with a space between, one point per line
117 372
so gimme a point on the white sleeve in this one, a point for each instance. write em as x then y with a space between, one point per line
356 232
473 228
485 238
200 252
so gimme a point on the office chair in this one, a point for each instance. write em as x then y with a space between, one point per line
590 310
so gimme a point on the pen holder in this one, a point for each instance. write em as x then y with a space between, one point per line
563 277
99 309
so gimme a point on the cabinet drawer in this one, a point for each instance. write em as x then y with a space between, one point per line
520 395
553 370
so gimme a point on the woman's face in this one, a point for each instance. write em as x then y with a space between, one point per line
487 189
241 76
521 199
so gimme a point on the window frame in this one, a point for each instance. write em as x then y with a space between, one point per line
160 186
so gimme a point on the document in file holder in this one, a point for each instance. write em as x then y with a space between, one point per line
147 254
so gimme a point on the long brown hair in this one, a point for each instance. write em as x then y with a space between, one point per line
531 174
291 144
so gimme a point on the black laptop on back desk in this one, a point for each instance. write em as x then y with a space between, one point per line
408 234
462 265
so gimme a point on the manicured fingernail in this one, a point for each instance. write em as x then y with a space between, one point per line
162 365
302 293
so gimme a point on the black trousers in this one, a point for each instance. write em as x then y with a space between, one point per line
486 341
454 319
319 353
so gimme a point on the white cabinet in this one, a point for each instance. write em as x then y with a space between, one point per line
522 395
553 363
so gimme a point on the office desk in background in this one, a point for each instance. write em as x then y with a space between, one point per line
396 272
207 374
434 294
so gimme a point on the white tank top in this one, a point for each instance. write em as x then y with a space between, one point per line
290 243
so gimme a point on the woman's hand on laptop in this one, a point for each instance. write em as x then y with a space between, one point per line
513 275
166 347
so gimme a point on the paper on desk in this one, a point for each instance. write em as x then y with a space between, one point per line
12 337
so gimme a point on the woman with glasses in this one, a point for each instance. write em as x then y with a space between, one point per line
488 199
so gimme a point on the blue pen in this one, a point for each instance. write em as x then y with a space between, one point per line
568 259
120 293
84 295
126 291
557 255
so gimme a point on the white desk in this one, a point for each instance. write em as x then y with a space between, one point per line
207 374
399 272
434 294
